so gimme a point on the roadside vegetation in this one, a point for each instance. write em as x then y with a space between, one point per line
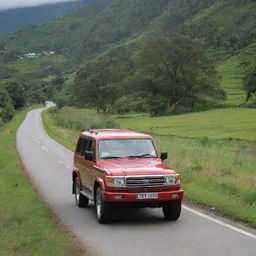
16 93
26 226
214 151
66 124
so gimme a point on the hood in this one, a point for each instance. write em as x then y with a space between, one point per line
142 166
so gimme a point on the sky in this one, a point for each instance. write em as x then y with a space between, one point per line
10 4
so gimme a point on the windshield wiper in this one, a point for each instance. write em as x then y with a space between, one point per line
111 157
141 156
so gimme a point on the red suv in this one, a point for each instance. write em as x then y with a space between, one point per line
122 167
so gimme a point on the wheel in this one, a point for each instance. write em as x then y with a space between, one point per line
81 200
103 209
172 209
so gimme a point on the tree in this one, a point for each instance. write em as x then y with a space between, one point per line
249 81
98 83
6 107
18 90
178 70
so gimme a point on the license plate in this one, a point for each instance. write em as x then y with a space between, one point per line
147 196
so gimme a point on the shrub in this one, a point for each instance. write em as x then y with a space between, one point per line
6 107
251 103
81 119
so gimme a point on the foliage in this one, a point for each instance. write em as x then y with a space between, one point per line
251 103
121 106
250 81
80 120
98 83
127 103
6 107
18 91
226 23
177 71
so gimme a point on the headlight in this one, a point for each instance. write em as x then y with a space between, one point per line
172 179
117 181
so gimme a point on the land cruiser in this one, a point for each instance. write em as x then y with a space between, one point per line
115 167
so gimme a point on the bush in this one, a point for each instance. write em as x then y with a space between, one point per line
81 119
158 105
251 103
6 107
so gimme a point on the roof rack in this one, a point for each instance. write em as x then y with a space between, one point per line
90 131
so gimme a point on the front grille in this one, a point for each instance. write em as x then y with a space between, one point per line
145 181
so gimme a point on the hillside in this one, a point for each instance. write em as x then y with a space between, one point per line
26 18
227 27
90 29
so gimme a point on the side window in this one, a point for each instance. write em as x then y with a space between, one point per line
91 148
81 146
84 145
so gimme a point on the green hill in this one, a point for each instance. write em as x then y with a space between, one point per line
24 18
227 27
90 29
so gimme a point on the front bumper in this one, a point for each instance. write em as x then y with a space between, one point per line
129 197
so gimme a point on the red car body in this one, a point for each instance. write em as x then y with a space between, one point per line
143 180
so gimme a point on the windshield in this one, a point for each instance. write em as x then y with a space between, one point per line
126 148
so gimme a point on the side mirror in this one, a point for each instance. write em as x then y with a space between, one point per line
164 155
88 156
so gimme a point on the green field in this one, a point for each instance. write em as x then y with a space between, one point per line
214 151
231 76
237 123
26 226
33 68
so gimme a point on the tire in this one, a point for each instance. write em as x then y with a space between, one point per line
103 209
172 209
81 200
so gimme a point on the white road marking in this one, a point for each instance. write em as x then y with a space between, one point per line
219 222
60 162
68 166
44 148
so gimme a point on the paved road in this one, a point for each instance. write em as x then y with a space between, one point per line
133 232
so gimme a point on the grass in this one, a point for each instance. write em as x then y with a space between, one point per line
232 69
33 68
237 123
216 171
26 226
66 137
231 81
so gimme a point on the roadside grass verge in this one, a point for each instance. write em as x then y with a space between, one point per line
26 226
66 124
214 151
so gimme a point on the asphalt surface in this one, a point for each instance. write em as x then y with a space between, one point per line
133 231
